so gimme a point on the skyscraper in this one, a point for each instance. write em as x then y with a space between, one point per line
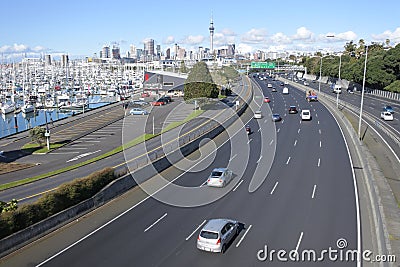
149 47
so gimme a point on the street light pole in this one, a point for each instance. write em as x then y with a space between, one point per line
320 74
362 93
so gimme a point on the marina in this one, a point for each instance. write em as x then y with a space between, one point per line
37 91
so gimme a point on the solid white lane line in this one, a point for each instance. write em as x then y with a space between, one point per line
234 156
287 162
245 233
313 191
270 143
258 161
198 227
234 189
273 189
319 162
295 142
162 217
298 242
248 142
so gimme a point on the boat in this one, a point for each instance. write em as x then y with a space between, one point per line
7 108
27 108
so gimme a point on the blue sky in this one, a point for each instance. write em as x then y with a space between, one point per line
83 27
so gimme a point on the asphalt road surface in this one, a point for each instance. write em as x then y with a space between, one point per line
307 202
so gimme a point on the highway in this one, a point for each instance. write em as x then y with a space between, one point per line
308 200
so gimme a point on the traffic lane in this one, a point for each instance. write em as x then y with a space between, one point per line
139 211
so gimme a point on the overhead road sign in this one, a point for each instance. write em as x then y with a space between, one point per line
262 65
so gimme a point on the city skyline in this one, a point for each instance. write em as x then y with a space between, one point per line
83 28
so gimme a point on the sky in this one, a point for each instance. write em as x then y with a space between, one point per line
81 27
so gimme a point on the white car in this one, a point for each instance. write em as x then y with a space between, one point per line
285 91
305 114
257 114
386 115
217 234
219 177
269 85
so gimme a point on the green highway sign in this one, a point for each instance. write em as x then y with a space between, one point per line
262 65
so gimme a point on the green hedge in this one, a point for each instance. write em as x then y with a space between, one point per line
65 196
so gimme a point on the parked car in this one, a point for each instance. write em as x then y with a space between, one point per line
139 102
217 234
145 94
168 98
138 111
386 115
219 177
158 102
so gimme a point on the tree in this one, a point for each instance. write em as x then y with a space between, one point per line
37 135
199 83
183 68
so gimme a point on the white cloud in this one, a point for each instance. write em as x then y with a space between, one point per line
254 36
394 37
244 48
228 32
169 40
338 37
193 39
303 33
21 48
280 38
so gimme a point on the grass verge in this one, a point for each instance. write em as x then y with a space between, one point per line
119 149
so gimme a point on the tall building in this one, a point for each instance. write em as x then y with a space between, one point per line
116 53
133 52
64 60
149 47
105 52
47 59
211 28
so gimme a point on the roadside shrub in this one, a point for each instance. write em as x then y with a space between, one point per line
65 196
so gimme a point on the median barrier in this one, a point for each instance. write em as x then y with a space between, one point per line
145 170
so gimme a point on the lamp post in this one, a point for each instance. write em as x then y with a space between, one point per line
320 74
362 93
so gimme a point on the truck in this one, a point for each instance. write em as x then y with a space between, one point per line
311 95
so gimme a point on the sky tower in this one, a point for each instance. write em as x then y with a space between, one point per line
211 28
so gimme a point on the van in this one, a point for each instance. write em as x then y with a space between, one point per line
285 91
306 114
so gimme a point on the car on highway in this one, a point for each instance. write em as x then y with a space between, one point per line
219 177
168 98
267 100
285 91
217 234
273 89
269 85
258 114
306 83
276 117
388 109
305 114
293 110
386 115
138 111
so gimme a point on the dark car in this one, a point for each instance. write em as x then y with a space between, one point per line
163 99
292 110
276 117
168 98
388 109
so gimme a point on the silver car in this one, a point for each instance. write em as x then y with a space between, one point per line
219 177
217 234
